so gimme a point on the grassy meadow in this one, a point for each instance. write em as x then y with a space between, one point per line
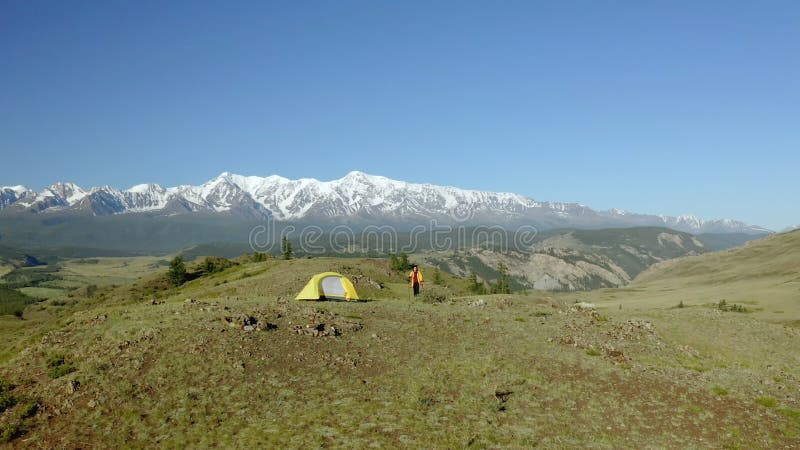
230 359
763 277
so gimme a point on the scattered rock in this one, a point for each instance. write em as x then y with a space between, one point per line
203 306
73 386
248 320
477 303
244 322
351 326
689 351
359 280
502 394
267 326
317 330
582 306
589 331
146 335
504 303
616 356
98 319
631 330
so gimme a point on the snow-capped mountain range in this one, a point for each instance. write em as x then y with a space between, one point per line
355 198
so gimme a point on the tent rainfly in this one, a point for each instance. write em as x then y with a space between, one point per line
328 285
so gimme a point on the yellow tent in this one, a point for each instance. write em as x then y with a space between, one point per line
328 285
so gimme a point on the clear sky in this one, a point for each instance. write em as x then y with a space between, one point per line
663 107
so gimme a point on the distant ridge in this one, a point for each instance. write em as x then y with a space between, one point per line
356 197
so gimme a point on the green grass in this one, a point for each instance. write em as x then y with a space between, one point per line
42 292
5 268
401 373
57 366
10 431
791 413
63 279
7 399
764 269
30 276
719 391
14 302
14 412
767 401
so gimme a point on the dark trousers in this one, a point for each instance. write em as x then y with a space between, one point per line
416 289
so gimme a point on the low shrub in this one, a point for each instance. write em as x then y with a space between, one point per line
719 391
27 410
435 294
791 413
7 400
724 306
10 431
767 401
57 366
215 264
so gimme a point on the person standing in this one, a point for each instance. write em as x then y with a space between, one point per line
416 279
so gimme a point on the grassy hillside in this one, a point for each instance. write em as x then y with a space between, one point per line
231 360
62 278
5 268
81 284
764 276
13 302
725 241
570 260
220 249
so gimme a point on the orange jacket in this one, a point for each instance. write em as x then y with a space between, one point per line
411 277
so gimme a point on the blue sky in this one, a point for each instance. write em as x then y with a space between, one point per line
651 106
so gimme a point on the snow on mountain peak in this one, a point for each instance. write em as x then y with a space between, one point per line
18 189
12 194
104 188
70 192
357 194
145 188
